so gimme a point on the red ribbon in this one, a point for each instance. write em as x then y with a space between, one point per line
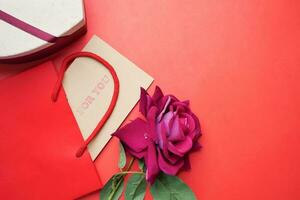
113 102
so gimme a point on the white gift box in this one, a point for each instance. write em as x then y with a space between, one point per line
33 29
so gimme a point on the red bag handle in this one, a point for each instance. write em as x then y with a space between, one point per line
65 64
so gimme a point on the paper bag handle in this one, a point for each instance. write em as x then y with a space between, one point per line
65 64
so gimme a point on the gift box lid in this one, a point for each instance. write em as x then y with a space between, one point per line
30 26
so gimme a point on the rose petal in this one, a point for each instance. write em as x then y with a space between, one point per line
171 169
151 120
151 115
143 102
194 135
181 148
161 135
151 164
134 135
190 122
173 150
174 99
197 122
185 145
163 143
187 163
164 108
186 102
138 155
180 106
161 104
158 94
196 146
176 132
167 121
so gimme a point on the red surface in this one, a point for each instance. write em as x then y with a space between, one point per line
239 64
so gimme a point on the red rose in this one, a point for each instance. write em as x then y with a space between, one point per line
165 138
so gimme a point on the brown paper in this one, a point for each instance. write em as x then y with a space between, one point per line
89 89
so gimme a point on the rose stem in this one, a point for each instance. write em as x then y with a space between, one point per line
130 172
123 173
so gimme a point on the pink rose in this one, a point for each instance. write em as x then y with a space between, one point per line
165 138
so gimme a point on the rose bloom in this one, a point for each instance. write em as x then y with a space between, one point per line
166 135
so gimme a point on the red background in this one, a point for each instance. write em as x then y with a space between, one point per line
238 62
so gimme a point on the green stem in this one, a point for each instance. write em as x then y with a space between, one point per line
115 190
120 179
130 164
130 172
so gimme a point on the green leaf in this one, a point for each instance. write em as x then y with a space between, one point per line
141 165
168 187
112 189
122 159
159 191
136 187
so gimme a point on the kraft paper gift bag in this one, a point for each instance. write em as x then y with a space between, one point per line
39 139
